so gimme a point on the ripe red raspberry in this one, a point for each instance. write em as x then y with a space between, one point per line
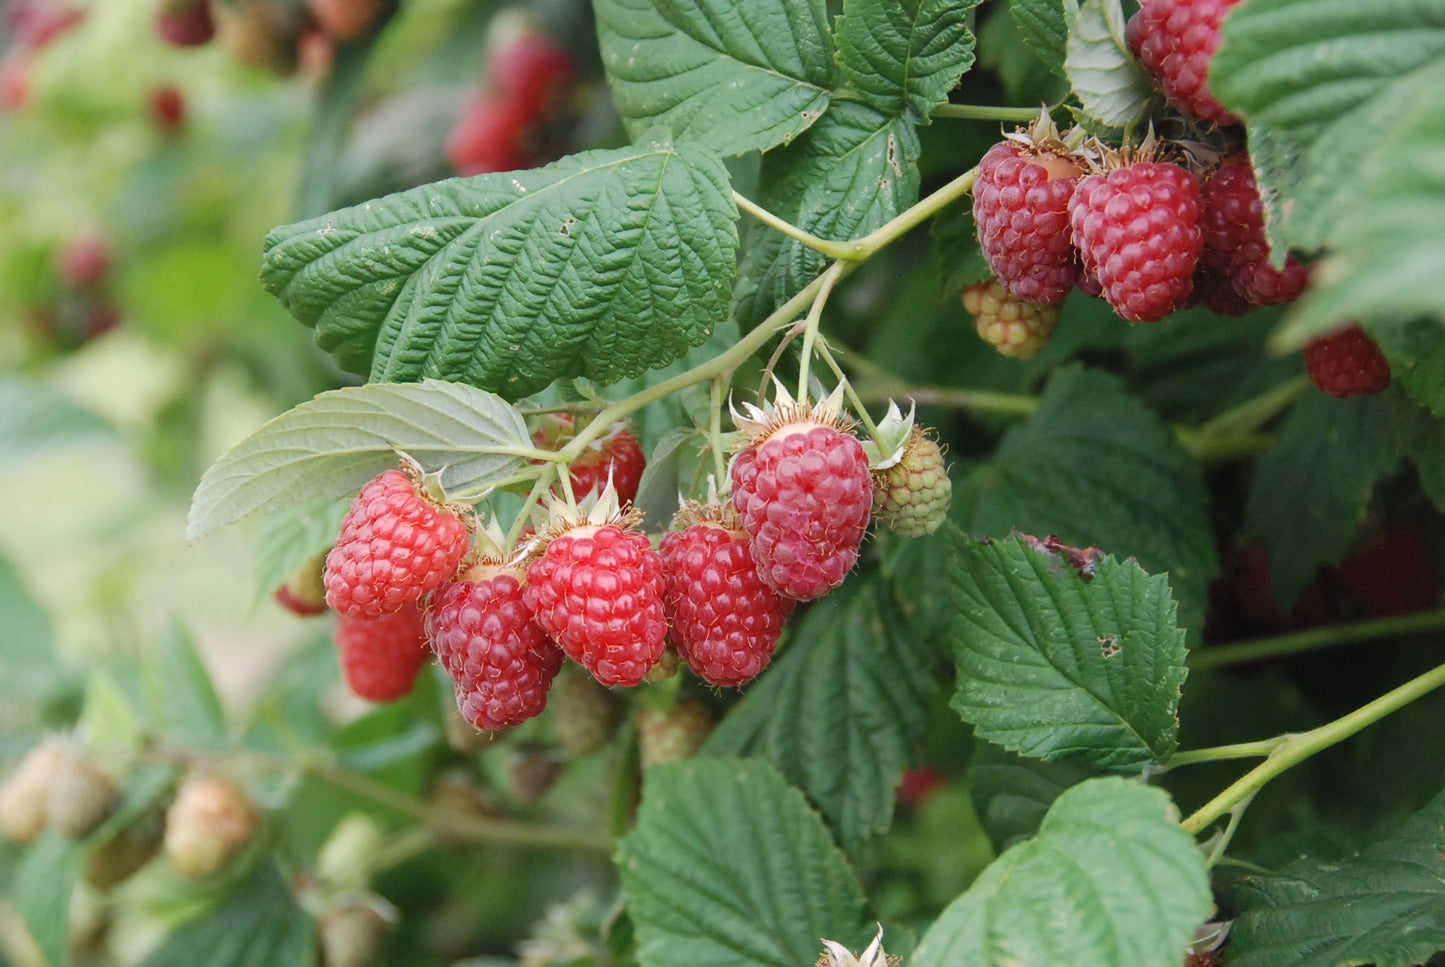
804 491
1215 293
185 23
531 71
489 135
1136 226
1015 327
1021 206
1347 363
597 590
396 544
1390 573
167 108
616 451
1231 218
1176 39
911 497
500 660
381 657
725 621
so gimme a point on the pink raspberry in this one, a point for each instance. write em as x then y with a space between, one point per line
1231 218
381 657
597 590
804 493
500 660
1176 39
396 544
1347 363
1137 228
725 621
1021 206
617 453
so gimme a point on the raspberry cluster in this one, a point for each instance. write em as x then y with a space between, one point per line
516 115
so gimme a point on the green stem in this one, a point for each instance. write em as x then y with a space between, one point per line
1233 432
836 250
1008 404
888 232
984 112
714 429
850 393
478 828
810 331
1235 815
1219 753
1308 640
1294 749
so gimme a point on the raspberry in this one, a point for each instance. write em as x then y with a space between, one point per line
532 72
1015 327
498 657
725 621
804 492
1137 228
1021 206
672 734
185 23
1390 573
616 451
84 261
25 796
345 20
911 497
1176 39
167 108
1347 363
532 771
210 822
489 135
1215 293
82 796
124 854
395 545
304 593
381 657
597 590
584 713
1231 218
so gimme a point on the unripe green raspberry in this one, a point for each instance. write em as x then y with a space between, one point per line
585 714
208 825
673 734
122 856
81 796
911 497
25 796
1014 327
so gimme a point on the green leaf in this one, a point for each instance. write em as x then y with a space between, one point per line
1044 25
1384 906
290 540
1110 85
35 418
27 647
1094 466
1011 794
1111 879
853 171
1386 251
1421 435
44 880
258 924
182 699
904 55
1053 663
662 478
842 711
1321 85
728 866
737 77
604 264
1310 490
328 447
1416 352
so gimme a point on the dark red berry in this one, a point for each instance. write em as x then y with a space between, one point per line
1176 40
597 590
724 620
500 660
1347 363
168 108
531 72
185 23
1021 206
1231 219
489 135
1390 573
1137 228
616 453
381 657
